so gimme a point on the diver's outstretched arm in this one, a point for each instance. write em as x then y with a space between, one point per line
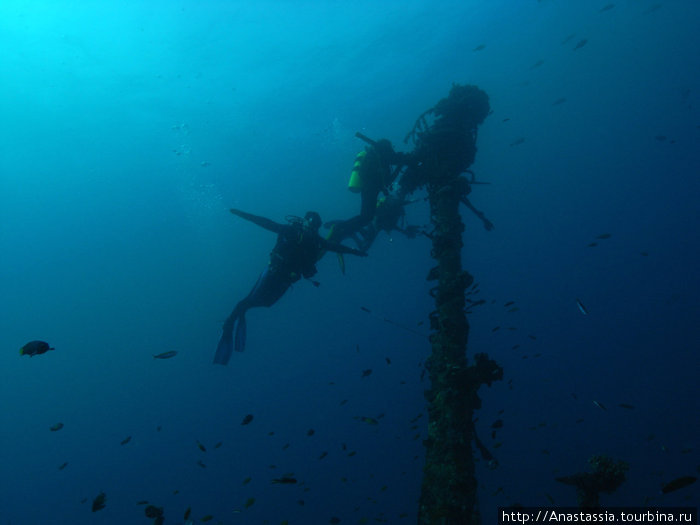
487 223
260 221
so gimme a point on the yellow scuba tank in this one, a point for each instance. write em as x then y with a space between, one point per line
355 182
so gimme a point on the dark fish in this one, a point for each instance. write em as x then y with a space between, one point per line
247 419
334 520
599 405
285 480
581 307
208 517
593 244
606 8
323 455
201 463
187 513
63 465
56 427
165 355
368 420
125 440
201 447
495 328
343 402
626 405
153 512
33 348
497 424
310 432
604 236
517 141
219 444
534 338
249 503
142 502
678 483
580 44
99 502
365 309
247 480
509 303
479 47
558 101
367 372
388 361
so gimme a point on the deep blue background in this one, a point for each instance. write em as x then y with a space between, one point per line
129 128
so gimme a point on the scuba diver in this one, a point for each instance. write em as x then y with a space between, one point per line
389 216
297 250
375 168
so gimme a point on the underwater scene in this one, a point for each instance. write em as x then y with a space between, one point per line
314 262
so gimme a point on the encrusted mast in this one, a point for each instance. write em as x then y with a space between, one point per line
445 146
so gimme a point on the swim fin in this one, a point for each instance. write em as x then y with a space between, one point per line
224 349
241 334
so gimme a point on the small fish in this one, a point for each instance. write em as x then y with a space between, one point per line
247 419
165 355
200 463
580 44
479 47
56 427
249 503
581 307
365 309
626 405
604 236
247 480
599 405
187 513
509 303
99 502
678 483
142 502
568 38
284 480
201 447
343 402
368 420
310 432
367 372
497 424
218 445
323 454
505 119
495 328
208 517
125 440
608 7
517 141
388 361
62 465
592 245
558 101
537 64
33 348
334 520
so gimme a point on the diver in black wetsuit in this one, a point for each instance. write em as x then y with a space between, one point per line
298 249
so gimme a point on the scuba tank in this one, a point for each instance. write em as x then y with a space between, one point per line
355 182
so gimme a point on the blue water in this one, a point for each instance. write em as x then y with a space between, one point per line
129 129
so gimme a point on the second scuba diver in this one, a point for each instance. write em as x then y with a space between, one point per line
297 250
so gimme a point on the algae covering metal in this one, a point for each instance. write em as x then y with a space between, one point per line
445 147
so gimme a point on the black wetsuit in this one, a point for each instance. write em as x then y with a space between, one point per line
294 256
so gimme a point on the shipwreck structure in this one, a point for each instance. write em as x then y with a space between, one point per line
444 139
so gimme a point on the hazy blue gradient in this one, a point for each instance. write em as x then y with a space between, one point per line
129 128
